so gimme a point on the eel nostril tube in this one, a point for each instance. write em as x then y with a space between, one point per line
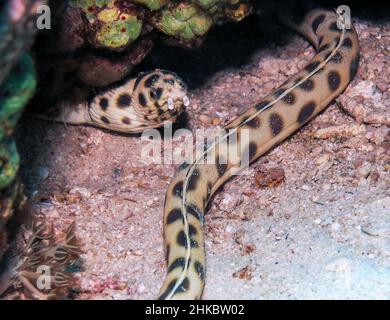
186 101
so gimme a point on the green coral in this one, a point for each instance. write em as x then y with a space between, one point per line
9 162
153 4
119 33
18 89
114 29
186 21
207 3
88 6
116 24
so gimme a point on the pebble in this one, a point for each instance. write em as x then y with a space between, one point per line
141 288
269 178
121 286
335 226
205 119
216 121
367 148
374 176
367 89
327 221
326 186
364 170
374 231
229 229
35 195
42 173
85 193
209 120
325 158
339 265
306 187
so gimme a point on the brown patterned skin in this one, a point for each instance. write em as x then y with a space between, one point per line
269 122
147 101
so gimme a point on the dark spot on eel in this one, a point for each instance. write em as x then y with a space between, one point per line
276 123
308 85
103 103
347 43
289 98
333 80
324 47
279 92
159 92
170 287
174 215
104 119
124 100
182 240
193 180
312 66
139 79
126 120
149 82
306 112
184 286
337 57
178 263
178 189
183 166
252 149
199 270
261 105
254 123
167 250
221 165
142 99
317 21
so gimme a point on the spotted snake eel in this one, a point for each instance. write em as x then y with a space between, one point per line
152 99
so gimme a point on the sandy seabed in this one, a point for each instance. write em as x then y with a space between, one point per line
322 232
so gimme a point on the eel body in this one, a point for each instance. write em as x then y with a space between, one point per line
268 122
152 99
